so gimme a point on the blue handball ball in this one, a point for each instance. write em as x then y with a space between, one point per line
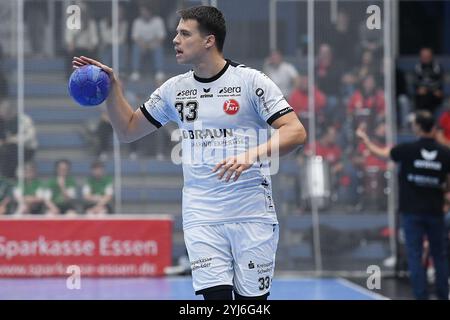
89 85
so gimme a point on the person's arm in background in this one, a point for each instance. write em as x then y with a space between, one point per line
52 209
129 125
105 199
67 189
418 88
88 196
99 200
383 152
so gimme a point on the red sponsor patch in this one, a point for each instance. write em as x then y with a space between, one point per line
231 107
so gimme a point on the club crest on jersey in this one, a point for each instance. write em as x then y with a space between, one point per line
231 107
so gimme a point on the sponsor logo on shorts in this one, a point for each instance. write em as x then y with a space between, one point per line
264 267
201 263
251 265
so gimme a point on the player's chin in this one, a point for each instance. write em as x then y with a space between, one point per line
181 59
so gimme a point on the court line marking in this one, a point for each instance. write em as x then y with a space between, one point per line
361 289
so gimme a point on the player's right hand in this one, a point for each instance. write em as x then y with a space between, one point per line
78 62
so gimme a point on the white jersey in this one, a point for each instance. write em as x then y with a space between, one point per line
220 117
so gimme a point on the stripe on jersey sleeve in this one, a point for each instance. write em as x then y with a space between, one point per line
279 114
149 117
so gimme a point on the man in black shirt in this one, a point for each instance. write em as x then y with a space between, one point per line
424 169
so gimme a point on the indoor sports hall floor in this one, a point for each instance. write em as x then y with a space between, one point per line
173 288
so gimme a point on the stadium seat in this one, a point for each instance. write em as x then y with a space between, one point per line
60 140
63 114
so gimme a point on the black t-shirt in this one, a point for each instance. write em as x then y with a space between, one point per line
424 165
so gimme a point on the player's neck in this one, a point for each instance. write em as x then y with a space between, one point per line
209 67
427 135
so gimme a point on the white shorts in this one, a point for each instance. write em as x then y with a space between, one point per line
241 255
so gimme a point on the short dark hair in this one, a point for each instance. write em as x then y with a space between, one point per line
426 48
59 161
425 121
210 21
66 161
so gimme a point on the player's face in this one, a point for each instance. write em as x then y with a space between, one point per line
189 42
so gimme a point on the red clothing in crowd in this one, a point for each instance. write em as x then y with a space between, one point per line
375 101
332 154
444 123
371 160
299 100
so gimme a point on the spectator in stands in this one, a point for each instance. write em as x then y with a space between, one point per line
100 136
98 191
106 38
31 200
404 107
428 82
370 39
35 14
61 190
328 75
341 38
367 66
283 73
83 41
6 196
367 103
8 27
9 138
298 99
148 33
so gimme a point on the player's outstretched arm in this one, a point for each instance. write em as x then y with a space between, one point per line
128 124
383 152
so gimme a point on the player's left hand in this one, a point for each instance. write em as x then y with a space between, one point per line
234 165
